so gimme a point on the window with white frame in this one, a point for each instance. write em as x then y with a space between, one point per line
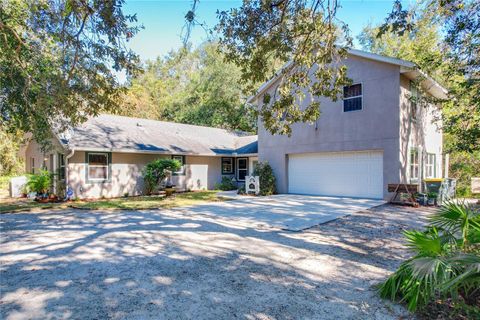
180 159
98 169
414 170
227 165
352 97
242 168
61 166
430 165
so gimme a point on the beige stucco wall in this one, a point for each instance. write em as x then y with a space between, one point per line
376 127
126 168
42 158
214 173
126 176
424 132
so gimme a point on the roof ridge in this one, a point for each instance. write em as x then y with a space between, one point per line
236 133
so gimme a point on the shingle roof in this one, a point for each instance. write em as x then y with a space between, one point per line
124 134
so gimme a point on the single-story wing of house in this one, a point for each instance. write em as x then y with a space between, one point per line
104 156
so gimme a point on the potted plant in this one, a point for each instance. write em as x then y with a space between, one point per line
40 184
432 198
169 189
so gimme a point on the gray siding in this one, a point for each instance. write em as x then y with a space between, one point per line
375 127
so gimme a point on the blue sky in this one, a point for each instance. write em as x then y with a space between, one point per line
163 20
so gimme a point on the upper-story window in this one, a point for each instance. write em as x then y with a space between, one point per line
413 101
352 97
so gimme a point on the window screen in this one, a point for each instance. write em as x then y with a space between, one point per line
430 165
227 165
352 98
414 164
180 159
98 166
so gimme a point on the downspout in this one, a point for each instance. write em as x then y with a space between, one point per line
447 165
72 151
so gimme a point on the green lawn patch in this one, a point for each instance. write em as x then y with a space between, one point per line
127 203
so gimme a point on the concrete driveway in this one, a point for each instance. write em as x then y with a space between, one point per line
191 264
285 211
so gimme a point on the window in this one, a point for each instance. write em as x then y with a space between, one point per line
180 159
50 162
61 166
242 168
98 168
413 101
32 165
254 165
430 165
414 164
227 165
352 98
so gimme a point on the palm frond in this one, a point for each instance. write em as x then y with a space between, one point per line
447 260
425 243
467 270
450 216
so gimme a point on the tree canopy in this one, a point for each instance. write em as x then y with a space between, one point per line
57 61
191 86
302 32
424 43
443 38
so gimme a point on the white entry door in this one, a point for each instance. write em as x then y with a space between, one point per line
346 174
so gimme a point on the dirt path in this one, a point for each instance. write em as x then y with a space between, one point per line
174 264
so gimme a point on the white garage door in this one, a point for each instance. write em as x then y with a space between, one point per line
348 174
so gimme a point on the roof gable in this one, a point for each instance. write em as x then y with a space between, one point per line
405 67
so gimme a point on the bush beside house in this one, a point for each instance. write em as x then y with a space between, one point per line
157 171
226 184
267 178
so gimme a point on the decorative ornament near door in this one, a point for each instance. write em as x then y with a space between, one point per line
252 185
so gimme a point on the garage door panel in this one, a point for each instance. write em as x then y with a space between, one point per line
352 174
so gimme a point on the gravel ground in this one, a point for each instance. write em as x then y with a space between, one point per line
176 264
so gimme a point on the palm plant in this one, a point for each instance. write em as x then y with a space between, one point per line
446 260
40 183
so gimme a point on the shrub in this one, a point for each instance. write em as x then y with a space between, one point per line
156 171
242 190
10 162
40 183
446 262
227 184
267 178
464 166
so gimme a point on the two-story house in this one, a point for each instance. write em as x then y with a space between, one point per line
376 135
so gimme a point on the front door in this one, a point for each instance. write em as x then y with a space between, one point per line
242 168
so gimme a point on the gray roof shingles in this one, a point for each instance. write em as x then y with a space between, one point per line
118 133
